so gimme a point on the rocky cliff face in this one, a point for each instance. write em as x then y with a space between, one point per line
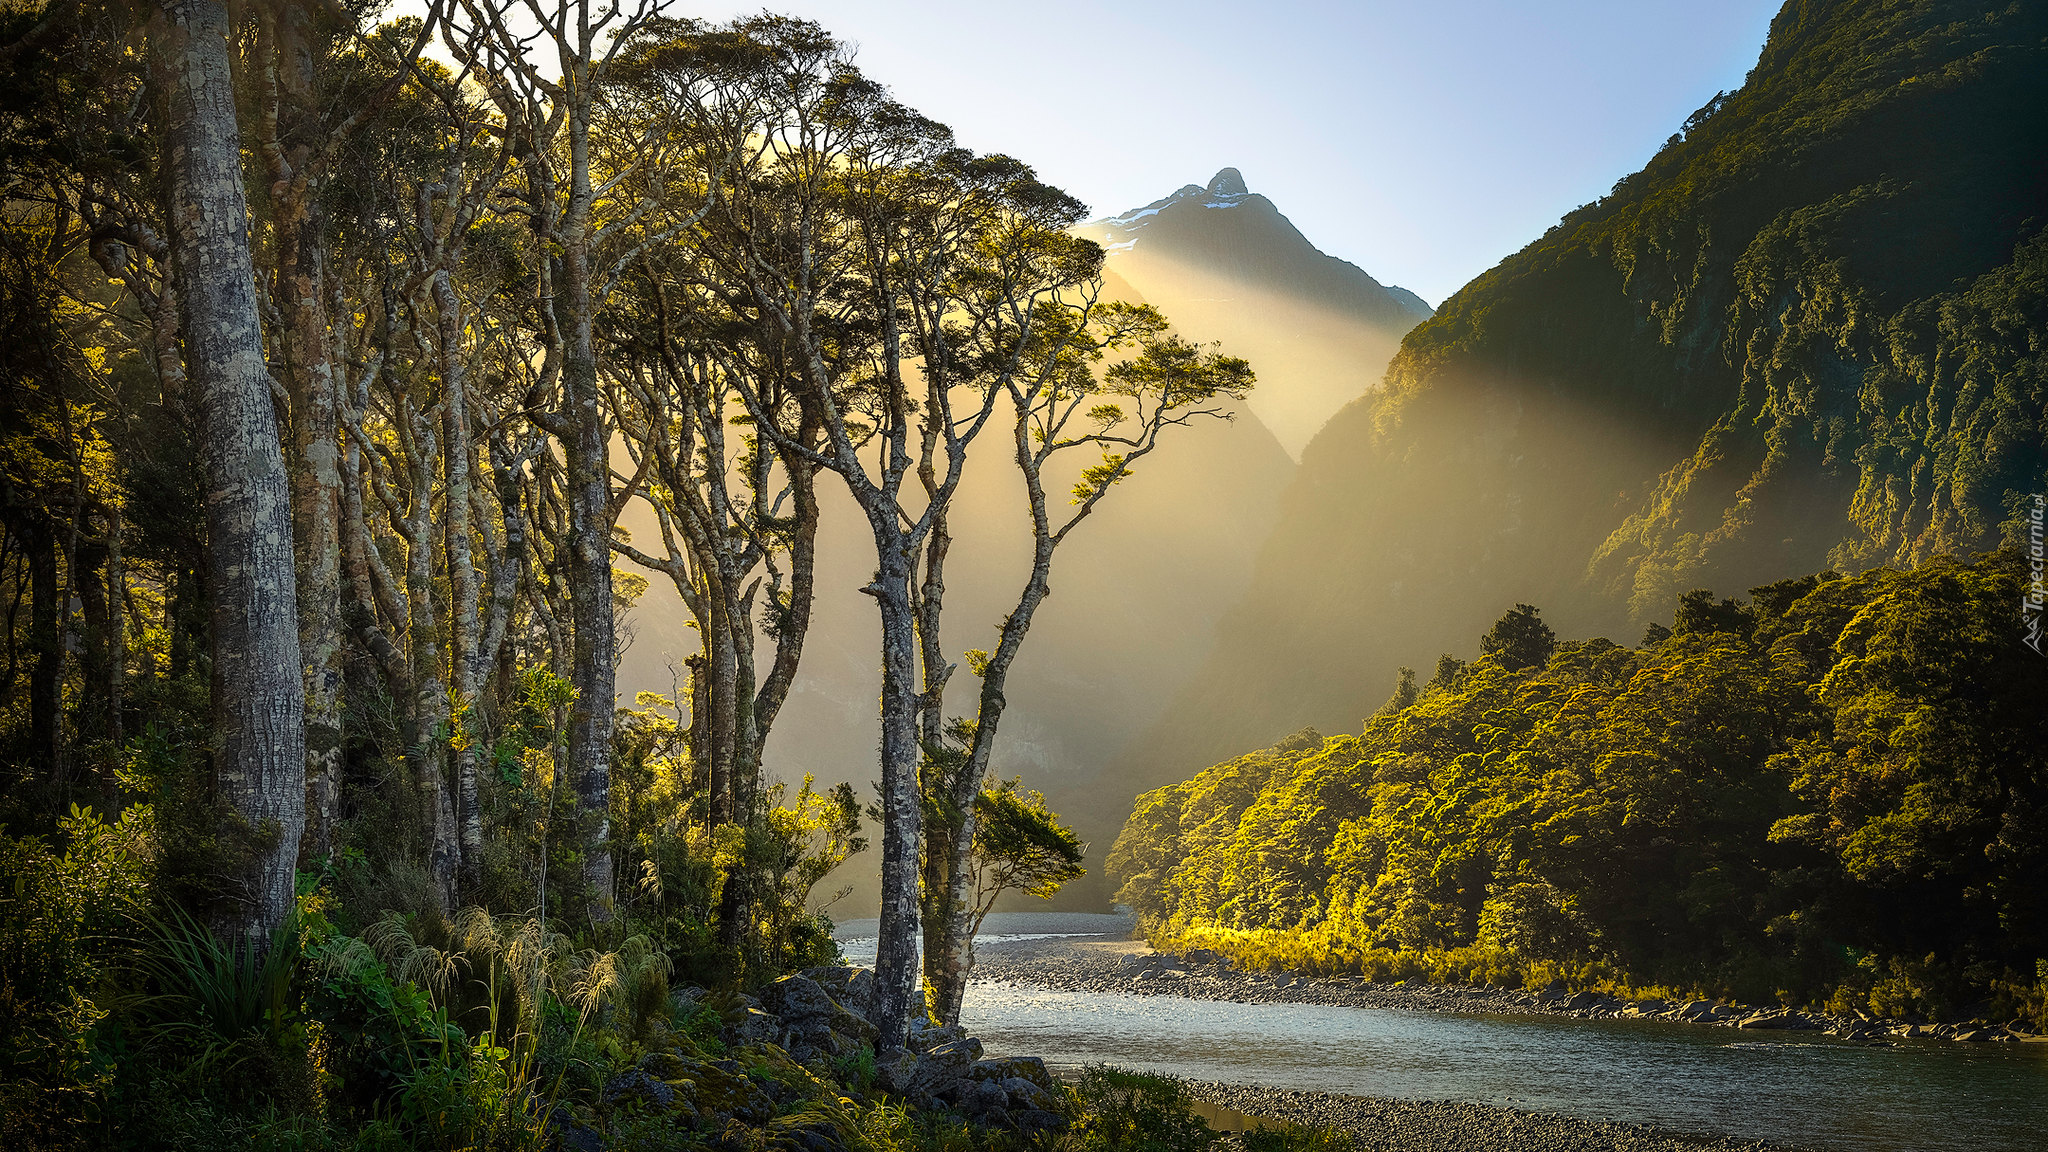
1227 266
1812 331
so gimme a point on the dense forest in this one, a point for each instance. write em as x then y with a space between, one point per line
335 352
1810 332
1832 794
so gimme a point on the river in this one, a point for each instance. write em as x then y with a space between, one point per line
1800 1089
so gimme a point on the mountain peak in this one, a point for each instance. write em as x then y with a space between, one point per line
1229 182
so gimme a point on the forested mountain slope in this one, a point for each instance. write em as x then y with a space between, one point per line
1810 332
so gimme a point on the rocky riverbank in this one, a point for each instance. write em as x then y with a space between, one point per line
1377 1125
1113 963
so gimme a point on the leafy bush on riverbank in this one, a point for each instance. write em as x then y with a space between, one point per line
1835 793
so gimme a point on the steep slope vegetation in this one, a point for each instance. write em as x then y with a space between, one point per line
1809 332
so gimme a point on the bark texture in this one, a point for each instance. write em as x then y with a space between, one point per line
258 693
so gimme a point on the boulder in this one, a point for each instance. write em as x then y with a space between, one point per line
937 1073
754 1027
983 1098
1037 1120
572 1136
812 1020
798 996
1014 1067
1704 1012
634 1088
853 988
958 1055
1023 1093
924 1037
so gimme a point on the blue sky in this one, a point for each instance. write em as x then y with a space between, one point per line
1422 140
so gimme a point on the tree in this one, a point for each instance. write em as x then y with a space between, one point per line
878 249
258 697
572 209
314 99
1698 614
1019 846
1405 692
1519 640
1058 404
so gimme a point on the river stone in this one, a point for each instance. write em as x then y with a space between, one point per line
959 1055
983 1098
1038 1120
794 996
756 1027
1023 1093
635 1088
853 988
924 1037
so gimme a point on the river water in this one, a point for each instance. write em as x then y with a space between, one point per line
1792 1088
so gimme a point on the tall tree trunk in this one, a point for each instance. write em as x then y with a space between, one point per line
429 704
117 653
951 956
45 678
466 660
898 995
954 944
588 479
940 832
258 694
316 505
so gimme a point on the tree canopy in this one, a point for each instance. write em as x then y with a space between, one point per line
1833 792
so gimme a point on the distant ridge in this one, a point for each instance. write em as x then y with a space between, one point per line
1227 266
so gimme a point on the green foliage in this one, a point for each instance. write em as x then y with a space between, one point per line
1834 789
1134 1112
213 991
1020 846
59 910
1519 640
